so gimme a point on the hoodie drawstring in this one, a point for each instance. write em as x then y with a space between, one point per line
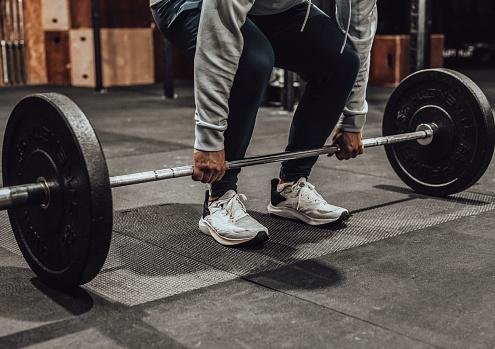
306 18
348 27
308 11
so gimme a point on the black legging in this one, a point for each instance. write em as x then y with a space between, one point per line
277 40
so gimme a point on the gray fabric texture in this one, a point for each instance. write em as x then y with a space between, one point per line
220 44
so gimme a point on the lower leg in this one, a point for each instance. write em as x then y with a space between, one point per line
251 80
318 112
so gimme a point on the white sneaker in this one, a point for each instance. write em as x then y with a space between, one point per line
227 221
301 201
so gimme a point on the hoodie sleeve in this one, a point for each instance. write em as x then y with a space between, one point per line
363 24
218 51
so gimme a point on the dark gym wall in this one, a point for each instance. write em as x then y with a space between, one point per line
468 26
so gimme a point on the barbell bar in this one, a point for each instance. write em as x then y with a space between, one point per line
39 193
425 131
57 189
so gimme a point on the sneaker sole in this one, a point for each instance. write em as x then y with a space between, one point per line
293 214
207 229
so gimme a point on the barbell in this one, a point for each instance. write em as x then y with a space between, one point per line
438 132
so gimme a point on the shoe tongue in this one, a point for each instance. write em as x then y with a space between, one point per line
301 180
228 195
281 187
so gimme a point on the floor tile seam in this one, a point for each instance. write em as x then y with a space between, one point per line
259 283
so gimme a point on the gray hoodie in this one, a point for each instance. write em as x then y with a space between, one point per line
219 47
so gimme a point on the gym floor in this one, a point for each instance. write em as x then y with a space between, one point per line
407 271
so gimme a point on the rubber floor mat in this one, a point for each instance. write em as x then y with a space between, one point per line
158 252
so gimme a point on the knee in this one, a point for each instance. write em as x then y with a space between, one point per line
344 68
257 65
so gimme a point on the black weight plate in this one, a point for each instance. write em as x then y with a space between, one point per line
463 147
49 137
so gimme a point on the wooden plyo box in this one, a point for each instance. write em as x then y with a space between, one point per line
390 58
127 57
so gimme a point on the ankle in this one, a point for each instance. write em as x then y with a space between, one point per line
213 199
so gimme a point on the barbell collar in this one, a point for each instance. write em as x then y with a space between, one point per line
25 195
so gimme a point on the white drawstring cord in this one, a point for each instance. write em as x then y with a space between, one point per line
348 27
308 11
306 18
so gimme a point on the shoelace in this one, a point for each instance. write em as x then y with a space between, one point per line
235 207
317 198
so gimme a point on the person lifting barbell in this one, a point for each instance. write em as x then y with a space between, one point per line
235 45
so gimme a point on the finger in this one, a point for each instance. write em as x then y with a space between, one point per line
217 174
336 137
213 177
347 154
349 151
197 174
222 173
361 149
207 177
339 156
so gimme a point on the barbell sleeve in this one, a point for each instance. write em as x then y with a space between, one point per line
24 195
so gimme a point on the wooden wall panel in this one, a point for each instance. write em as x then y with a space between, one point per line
80 11
57 57
82 57
127 56
55 14
35 43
